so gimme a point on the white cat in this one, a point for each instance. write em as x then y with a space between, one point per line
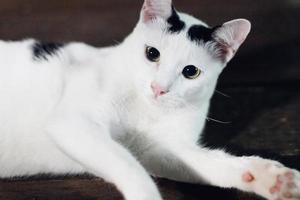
124 112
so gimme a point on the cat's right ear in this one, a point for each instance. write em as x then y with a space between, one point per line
153 9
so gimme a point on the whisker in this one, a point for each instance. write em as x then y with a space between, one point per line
223 94
116 42
218 121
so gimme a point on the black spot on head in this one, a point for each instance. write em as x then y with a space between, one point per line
176 25
200 33
42 50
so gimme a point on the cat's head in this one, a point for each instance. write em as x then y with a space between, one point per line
181 56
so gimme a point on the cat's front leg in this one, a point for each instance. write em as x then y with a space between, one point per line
266 178
91 146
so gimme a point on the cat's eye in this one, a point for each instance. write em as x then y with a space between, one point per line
191 72
152 54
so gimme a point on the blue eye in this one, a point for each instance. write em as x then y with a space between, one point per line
191 72
152 54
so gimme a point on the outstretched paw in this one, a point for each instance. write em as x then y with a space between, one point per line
272 180
287 185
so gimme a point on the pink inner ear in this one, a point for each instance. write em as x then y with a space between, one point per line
156 8
230 37
147 11
240 28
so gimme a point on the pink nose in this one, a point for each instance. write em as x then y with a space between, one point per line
157 89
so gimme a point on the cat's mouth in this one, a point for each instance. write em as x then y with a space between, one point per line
157 98
167 100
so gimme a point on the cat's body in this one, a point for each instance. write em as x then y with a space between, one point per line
33 89
123 111
30 92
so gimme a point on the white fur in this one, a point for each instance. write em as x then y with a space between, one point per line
92 110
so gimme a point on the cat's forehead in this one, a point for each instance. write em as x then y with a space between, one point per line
180 27
181 37
194 29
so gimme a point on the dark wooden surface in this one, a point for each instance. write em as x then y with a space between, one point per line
95 189
262 82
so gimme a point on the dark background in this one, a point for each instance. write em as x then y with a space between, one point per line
261 85
269 54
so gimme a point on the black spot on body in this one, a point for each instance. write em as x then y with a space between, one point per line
200 33
176 25
42 50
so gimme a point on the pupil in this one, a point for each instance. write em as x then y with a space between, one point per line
190 71
153 54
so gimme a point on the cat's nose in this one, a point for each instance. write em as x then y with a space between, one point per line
157 89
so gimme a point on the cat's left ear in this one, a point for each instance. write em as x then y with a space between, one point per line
153 9
230 36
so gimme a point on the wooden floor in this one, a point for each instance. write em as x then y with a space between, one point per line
260 88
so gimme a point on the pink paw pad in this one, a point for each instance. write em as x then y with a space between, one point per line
291 185
274 189
277 187
248 177
288 195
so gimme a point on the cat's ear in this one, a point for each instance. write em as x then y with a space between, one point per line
230 36
153 9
